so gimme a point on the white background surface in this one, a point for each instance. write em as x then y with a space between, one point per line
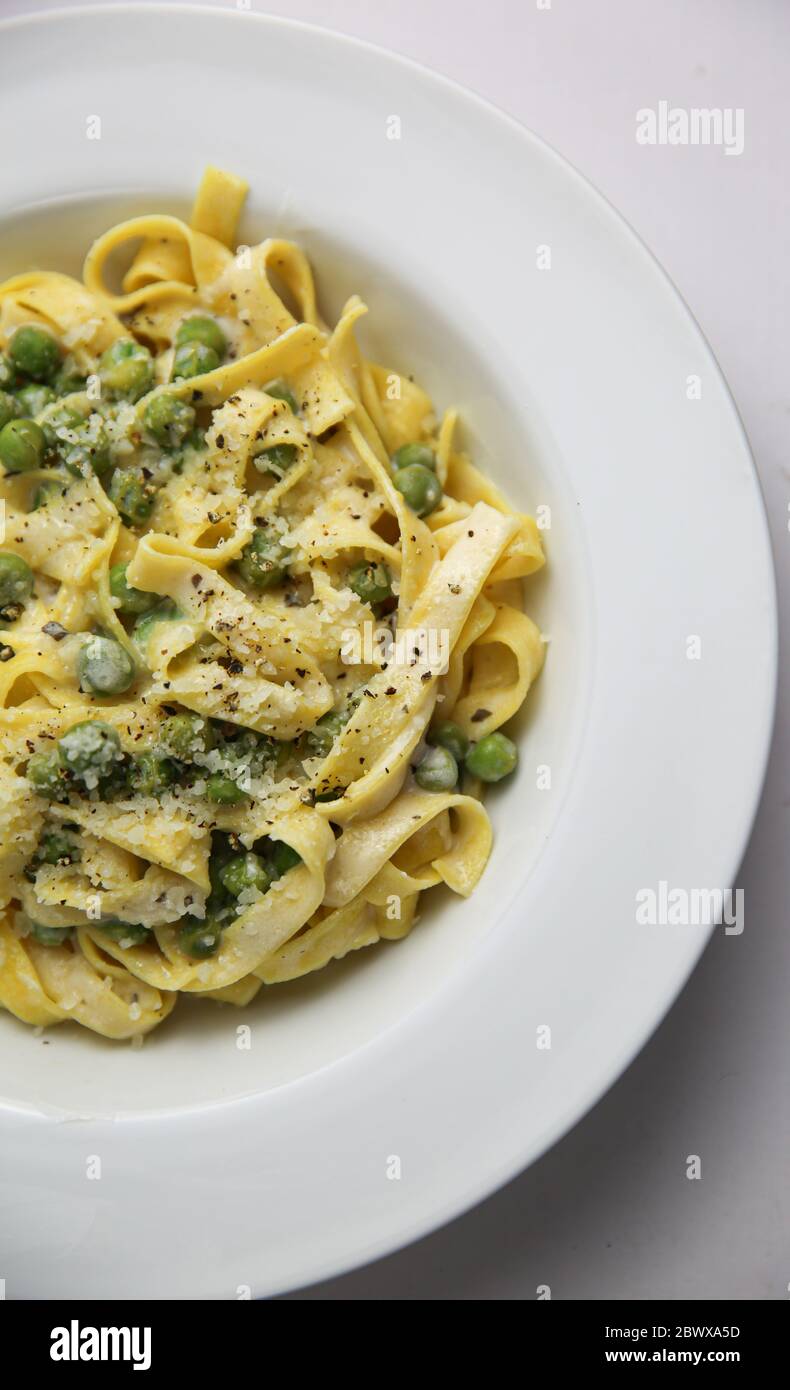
609 1212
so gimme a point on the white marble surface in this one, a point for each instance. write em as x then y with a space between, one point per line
609 1212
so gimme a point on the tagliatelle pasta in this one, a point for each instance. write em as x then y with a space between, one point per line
260 629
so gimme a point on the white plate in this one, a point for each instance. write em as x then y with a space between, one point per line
272 1167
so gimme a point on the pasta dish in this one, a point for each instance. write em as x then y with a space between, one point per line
261 626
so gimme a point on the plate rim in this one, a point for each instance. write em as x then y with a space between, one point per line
490 1180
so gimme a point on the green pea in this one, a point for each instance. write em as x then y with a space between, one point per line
7 408
239 742
125 933
196 439
54 848
31 400
280 391
21 445
85 448
200 939
117 781
246 750
420 487
45 774
193 359
221 854
408 454
166 611
438 771
222 791
450 736
221 907
68 383
493 758
49 936
91 451
371 581
151 773
104 667
47 490
35 352
262 562
199 328
282 857
245 871
81 442
126 370
168 419
8 373
60 423
130 600
323 734
185 735
284 749
277 460
131 494
89 750
16 580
